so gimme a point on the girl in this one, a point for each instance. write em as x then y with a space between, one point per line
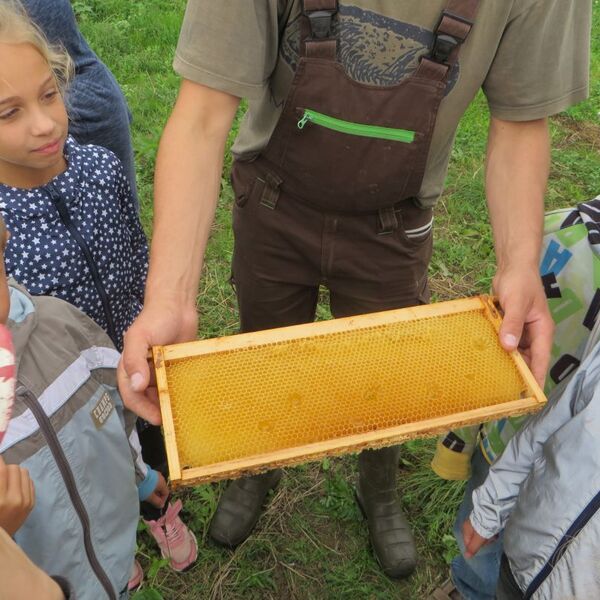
75 231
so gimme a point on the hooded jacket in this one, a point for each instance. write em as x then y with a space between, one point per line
70 430
545 491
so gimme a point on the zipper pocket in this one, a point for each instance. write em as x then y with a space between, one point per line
357 129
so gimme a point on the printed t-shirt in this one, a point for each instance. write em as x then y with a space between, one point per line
530 57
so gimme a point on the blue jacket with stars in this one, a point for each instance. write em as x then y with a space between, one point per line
79 238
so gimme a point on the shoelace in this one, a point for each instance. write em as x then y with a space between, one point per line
174 531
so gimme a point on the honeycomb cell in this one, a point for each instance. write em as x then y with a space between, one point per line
262 398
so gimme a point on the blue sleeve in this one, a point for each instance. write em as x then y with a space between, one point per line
148 485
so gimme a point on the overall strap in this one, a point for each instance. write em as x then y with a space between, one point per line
315 31
452 31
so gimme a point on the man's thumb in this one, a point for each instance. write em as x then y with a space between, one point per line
135 362
511 329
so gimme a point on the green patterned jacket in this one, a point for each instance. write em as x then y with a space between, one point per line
570 271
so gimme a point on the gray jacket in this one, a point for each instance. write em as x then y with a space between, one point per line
69 429
545 492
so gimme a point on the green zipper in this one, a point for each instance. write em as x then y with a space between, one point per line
372 131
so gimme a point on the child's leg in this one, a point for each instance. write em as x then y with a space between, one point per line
476 578
154 454
153 446
174 538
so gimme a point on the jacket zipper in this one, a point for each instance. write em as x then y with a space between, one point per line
588 512
358 129
65 217
69 480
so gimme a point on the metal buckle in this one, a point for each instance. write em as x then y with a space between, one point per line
320 23
442 48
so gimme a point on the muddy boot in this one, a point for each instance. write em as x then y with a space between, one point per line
240 507
390 534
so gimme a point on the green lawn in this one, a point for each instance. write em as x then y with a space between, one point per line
312 542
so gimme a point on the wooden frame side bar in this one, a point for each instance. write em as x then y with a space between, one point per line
167 414
494 317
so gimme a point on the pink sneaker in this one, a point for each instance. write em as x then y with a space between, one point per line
175 540
137 576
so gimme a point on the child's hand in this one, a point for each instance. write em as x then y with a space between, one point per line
17 496
472 540
160 494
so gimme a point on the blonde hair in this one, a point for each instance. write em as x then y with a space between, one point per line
17 28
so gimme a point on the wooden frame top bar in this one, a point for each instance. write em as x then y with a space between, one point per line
282 334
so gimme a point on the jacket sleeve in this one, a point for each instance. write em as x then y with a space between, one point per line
146 477
494 500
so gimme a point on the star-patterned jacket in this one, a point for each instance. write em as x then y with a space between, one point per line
79 238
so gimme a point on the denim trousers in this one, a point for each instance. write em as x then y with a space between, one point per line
475 578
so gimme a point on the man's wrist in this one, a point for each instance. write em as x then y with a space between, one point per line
526 261
180 299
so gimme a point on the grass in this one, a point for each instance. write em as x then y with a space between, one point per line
312 541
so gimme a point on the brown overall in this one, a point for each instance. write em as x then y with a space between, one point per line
322 207
330 201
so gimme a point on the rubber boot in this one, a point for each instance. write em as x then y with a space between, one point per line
239 508
389 531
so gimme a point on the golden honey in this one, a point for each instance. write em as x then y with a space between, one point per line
258 394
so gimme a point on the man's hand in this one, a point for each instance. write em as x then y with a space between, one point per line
159 323
20 578
187 184
472 540
518 158
527 323
17 496
160 494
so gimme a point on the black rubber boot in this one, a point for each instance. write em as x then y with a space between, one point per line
390 534
240 507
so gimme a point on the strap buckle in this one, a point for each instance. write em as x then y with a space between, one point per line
443 46
446 41
320 23
388 222
270 194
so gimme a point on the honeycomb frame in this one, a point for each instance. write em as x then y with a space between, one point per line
281 347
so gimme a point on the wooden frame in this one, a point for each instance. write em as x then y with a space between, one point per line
163 355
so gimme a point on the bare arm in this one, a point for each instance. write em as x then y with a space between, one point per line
518 158
186 189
